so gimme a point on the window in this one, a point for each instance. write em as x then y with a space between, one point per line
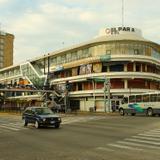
125 100
136 52
153 97
1 53
132 99
1 65
1 46
85 52
1 59
58 59
1 40
68 57
138 98
79 55
53 61
158 97
74 56
63 58
145 98
138 67
116 68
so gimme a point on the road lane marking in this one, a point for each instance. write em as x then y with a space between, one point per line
125 147
138 144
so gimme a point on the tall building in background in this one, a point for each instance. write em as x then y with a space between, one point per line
6 49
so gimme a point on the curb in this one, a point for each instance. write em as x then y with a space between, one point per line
94 113
70 114
8 113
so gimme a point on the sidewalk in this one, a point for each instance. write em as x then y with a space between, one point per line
78 113
95 113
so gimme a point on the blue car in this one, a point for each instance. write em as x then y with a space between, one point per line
41 116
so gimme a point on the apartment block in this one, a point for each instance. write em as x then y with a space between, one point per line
6 49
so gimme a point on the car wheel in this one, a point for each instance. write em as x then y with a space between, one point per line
36 124
121 111
150 112
25 123
57 125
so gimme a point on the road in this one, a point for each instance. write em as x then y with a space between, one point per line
82 138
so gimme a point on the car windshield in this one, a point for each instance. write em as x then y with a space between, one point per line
42 111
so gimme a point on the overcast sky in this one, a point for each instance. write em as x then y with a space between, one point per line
42 26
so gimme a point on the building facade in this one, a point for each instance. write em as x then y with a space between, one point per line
129 62
6 49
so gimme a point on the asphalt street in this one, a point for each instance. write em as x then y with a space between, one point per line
80 137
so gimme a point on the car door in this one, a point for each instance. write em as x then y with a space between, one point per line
27 115
32 116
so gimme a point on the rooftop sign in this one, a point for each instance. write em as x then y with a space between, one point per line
117 30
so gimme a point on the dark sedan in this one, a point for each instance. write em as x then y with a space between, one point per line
41 116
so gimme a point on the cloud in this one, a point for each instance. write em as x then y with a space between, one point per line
3 1
42 26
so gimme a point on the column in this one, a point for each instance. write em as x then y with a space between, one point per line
125 68
134 67
125 84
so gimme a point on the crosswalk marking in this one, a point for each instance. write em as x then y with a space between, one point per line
149 135
138 144
17 125
143 141
104 149
8 127
69 120
153 132
146 138
124 147
157 129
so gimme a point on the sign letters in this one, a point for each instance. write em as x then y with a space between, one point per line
118 30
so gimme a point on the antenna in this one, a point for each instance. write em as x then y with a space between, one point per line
122 13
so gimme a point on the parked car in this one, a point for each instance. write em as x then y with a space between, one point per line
41 116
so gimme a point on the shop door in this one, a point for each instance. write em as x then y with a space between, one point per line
115 105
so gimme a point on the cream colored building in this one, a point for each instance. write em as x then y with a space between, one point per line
121 54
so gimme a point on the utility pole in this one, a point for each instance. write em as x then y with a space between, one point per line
94 96
109 87
66 97
106 93
122 13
